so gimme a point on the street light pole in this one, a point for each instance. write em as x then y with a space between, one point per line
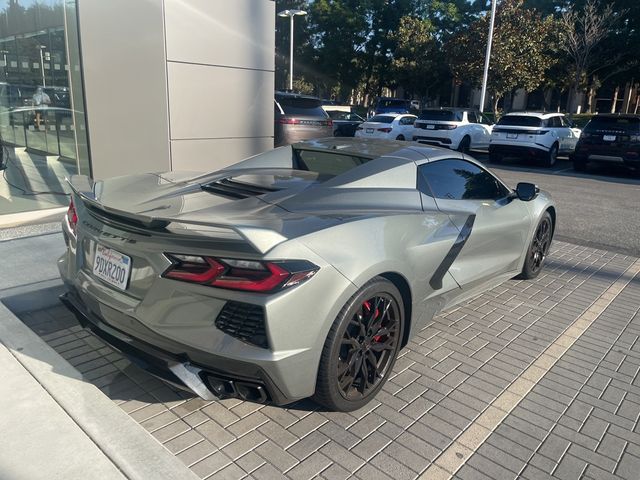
291 13
42 47
487 57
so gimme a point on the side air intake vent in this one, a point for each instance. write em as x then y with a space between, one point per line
243 321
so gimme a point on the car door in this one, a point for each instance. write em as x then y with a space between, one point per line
562 133
486 127
405 126
494 226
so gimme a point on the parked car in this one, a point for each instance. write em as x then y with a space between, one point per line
533 135
609 138
393 126
456 128
299 117
344 123
301 271
391 105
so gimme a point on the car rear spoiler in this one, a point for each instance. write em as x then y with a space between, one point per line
260 239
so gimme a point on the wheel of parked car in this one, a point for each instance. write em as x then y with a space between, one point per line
538 249
361 348
465 145
552 156
400 137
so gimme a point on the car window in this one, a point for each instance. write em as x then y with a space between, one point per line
407 120
520 121
327 163
338 115
554 122
484 119
444 115
393 103
382 118
614 123
471 116
301 106
461 180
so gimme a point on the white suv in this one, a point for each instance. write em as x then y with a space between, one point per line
456 128
533 135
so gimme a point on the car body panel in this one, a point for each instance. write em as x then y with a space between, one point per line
370 220
466 123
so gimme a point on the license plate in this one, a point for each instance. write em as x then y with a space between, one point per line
609 138
430 127
512 135
369 130
111 266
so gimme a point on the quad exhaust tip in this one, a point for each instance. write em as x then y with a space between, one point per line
234 389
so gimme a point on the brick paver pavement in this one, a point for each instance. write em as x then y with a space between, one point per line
579 421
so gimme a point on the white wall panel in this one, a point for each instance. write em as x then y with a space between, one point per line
213 154
237 33
125 82
219 102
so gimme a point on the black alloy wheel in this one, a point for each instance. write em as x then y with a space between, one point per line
538 249
361 347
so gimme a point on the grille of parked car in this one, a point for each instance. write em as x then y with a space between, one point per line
245 322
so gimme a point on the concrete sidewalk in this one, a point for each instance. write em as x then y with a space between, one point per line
54 424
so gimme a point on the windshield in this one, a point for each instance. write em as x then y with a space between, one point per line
627 124
381 119
520 121
445 115
327 163
301 106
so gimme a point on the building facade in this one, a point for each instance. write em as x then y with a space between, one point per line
108 88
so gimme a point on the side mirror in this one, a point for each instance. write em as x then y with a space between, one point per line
526 191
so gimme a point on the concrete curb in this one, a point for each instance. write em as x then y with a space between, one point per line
126 444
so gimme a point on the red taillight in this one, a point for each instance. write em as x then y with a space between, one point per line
247 275
72 216
385 129
288 121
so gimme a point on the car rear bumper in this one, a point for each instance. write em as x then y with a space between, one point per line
524 150
207 375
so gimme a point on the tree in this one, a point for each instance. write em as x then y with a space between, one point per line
521 55
417 58
583 31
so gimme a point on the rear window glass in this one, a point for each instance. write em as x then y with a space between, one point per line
389 103
615 123
302 106
444 115
382 119
327 163
520 121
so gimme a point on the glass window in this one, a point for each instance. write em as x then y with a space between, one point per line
520 121
41 119
301 106
472 117
617 123
443 115
382 118
554 122
407 120
461 180
327 163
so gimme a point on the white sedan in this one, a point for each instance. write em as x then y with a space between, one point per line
393 126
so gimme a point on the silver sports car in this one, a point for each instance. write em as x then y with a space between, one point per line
298 272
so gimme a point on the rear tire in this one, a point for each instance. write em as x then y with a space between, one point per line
361 347
465 144
551 157
538 248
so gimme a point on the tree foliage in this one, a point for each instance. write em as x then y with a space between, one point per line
521 53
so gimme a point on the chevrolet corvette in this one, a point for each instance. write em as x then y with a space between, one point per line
299 272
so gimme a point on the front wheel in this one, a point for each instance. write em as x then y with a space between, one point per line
538 249
361 348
